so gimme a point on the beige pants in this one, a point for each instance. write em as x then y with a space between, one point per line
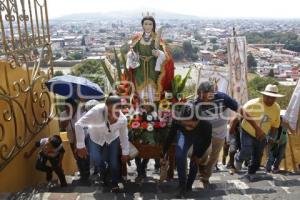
206 167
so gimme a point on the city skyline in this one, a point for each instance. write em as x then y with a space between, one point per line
212 9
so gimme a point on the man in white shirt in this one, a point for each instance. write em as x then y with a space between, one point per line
107 127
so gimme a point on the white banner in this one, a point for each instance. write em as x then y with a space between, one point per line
237 61
292 112
219 76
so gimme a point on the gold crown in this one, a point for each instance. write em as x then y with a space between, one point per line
147 14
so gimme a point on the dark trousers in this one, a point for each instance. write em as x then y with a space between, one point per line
83 164
141 165
41 164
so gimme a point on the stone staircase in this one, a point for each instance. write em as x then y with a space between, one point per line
223 186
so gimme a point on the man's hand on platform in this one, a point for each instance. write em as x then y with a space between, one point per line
82 153
125 158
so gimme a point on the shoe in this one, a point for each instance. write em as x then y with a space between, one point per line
245 177
104 178
237 165
275 171
206 183
116 189
224 160
49 176
247 163
63 185
188 188
140 178
267 170
248 177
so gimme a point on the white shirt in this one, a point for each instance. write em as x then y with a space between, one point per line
94 120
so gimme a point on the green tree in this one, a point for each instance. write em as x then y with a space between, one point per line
190 53
58 73
177 53
58 55
271 73
213 40
75 56
251 62
187 48
259 83
90 69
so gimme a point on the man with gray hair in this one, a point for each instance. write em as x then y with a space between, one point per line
214 106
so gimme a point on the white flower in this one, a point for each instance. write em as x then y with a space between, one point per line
149 118
150 127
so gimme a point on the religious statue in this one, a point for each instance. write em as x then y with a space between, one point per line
150 62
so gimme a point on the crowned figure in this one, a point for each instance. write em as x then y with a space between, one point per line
150 62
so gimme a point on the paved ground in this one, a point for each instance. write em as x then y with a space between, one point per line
223 186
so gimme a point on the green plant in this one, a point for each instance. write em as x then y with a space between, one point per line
178 83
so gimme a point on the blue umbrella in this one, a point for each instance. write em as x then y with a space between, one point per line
75 87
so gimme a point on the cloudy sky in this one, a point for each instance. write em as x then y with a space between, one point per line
202 8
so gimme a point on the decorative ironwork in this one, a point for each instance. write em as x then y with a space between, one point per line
25 104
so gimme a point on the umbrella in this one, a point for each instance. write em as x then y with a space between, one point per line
75 87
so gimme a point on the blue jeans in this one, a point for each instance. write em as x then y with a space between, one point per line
182 147
107 157
275 157
251 149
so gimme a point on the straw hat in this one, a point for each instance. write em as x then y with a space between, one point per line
272 91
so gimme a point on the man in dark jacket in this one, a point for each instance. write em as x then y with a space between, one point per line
188 131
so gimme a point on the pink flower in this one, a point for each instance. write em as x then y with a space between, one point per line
135 125
123 101
162 124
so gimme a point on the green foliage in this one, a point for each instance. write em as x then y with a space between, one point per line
187 48
106 71
189 89
177 53
75 56
190 53
251 62
178 83
118 64
271 73
213 40
58 55
58 73
290 39
90 69
259 83
288 92
125 48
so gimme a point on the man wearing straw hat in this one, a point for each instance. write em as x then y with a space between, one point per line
266 112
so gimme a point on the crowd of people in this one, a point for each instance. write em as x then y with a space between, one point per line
98 137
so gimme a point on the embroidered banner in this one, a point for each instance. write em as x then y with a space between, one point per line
237 61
